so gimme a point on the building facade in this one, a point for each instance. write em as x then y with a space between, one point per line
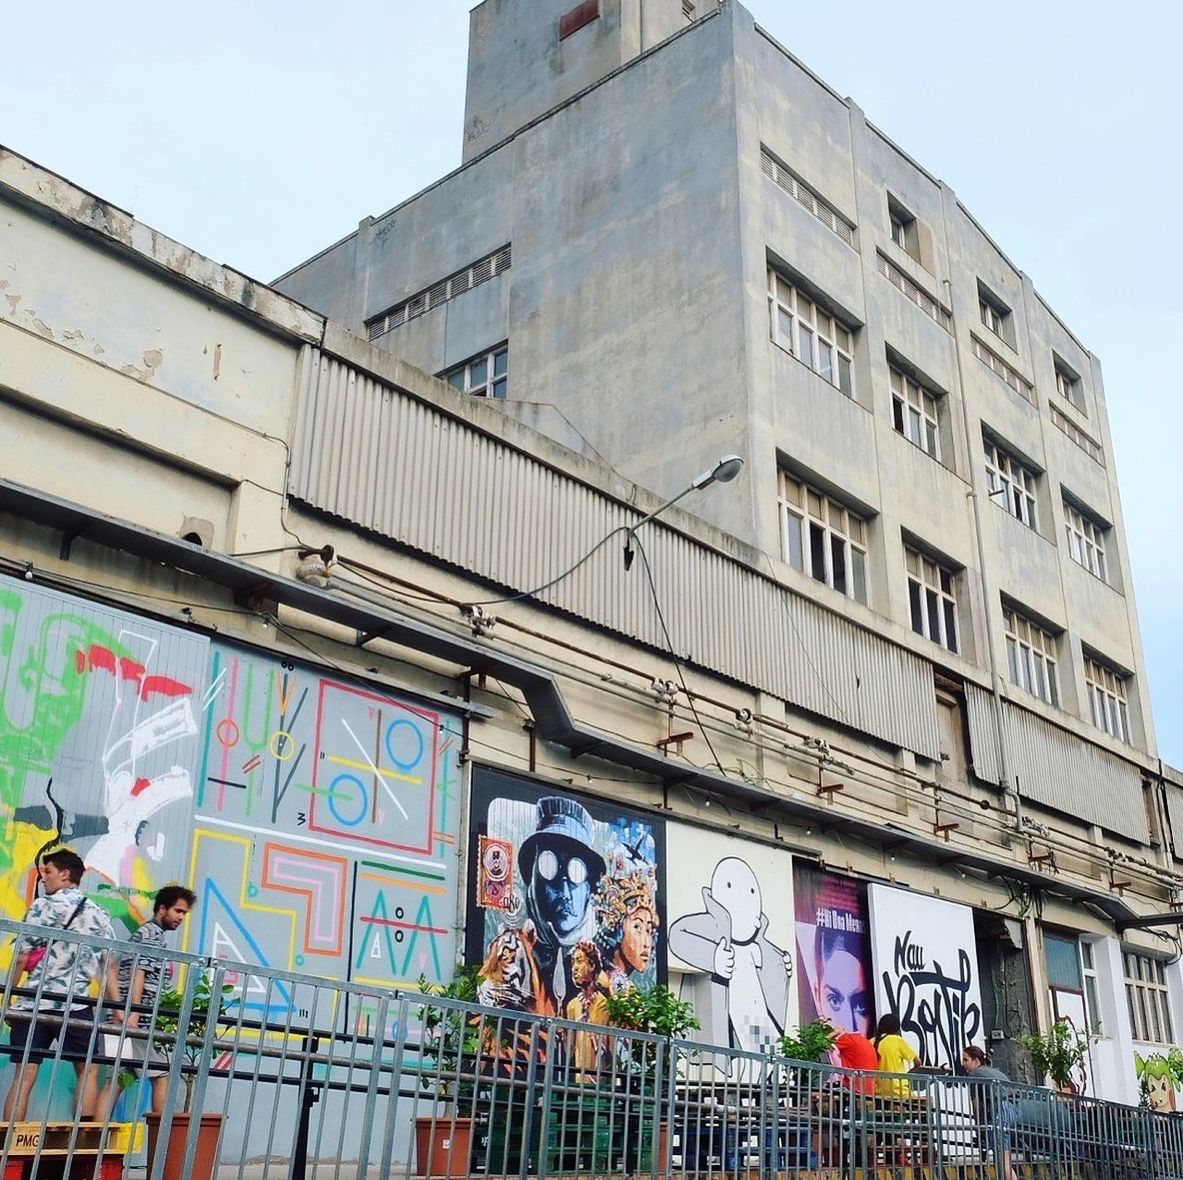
355 652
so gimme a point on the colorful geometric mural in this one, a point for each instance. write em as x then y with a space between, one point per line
316 819
326 826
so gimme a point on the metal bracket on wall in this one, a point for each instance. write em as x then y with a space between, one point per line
252 597
68 539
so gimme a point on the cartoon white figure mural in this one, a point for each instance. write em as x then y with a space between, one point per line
731 938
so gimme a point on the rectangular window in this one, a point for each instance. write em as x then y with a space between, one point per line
904 230
1068 384
486 375
1031 656
823 538
1091 987
1012 486
915 412
995 315
932 599
1146 994
1086 541
811 334
1107 698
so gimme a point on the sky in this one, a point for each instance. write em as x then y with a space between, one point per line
258 133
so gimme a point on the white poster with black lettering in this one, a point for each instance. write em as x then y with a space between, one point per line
926 971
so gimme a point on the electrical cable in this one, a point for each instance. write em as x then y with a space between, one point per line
673 654
556 579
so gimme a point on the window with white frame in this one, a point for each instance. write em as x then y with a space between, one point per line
1068 384
1086 541
1107 698
1146 994
1011 484
915 412
1031 656
486 375
823 538
810 333
995 315
932 599
1092 991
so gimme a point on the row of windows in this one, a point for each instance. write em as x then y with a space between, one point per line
1072 966
820 341
905 231
827 540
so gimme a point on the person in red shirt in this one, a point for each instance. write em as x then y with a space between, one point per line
856 1051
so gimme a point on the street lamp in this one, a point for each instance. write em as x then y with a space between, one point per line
724 471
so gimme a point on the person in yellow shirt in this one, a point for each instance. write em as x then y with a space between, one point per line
896 1056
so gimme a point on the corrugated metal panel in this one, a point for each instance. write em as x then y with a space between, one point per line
1174 797
105 706
387 462
1056 768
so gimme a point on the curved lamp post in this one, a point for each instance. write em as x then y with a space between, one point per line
724 471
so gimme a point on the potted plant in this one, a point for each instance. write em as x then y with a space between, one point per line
655 1010
812 1042
451 1046
1060 1056
205 1010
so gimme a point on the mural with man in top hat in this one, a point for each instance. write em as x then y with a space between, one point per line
566 896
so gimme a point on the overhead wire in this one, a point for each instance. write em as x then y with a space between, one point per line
673 653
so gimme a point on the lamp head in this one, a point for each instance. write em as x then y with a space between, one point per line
723 472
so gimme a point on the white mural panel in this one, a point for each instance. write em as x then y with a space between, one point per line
926 971
731 925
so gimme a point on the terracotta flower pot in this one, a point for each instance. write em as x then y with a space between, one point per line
443 1146
177 1166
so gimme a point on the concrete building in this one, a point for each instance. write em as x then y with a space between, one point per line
287 617
669 240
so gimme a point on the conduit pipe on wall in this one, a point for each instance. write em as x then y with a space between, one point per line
539 687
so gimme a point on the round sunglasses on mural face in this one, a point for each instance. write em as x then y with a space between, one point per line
550 865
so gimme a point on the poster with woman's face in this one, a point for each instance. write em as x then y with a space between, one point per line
834 978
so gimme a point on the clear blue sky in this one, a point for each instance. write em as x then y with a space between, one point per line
260 132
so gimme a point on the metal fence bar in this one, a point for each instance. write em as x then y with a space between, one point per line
308 1071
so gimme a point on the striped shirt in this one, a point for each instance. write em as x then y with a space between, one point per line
150 934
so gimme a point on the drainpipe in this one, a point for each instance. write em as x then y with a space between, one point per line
1009 790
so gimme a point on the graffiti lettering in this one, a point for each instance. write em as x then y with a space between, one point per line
936 1007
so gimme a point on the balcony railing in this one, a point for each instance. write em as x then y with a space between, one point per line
309 1077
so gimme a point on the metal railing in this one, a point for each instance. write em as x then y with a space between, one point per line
313 1078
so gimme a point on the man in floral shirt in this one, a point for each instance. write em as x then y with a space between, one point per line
60 974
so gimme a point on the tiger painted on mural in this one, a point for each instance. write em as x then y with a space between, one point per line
510 976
